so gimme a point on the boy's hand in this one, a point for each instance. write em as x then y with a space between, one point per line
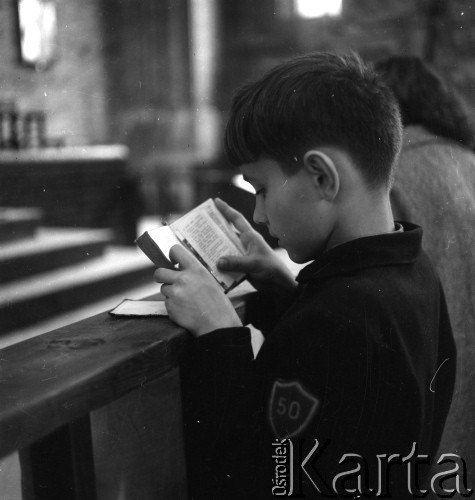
262 266
194 300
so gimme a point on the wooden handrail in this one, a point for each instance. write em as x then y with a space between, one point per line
50 386
55 378
58 377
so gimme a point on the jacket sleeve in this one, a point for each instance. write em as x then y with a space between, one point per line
217 397
316 377
230 401
322 380
264 309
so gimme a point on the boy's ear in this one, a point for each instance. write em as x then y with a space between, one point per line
324 174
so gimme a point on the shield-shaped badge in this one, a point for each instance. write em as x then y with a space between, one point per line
291 408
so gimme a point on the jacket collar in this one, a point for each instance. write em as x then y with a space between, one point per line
370 251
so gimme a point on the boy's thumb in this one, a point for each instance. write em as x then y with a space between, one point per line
239 264
224 263
234 264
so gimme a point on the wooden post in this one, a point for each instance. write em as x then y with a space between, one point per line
61 465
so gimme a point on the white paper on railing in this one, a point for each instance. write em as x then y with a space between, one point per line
131 308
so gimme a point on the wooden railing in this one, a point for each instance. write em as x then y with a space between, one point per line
95 406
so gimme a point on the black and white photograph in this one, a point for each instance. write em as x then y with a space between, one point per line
237 249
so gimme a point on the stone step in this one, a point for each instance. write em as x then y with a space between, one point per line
50 248
36 298
18 223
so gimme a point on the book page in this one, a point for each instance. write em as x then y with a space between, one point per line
130 308
200 231
225 226
164 238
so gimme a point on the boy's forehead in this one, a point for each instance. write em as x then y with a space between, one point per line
258 169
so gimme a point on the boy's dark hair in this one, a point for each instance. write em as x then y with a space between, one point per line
426 99
321 99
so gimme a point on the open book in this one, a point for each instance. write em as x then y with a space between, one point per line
205 232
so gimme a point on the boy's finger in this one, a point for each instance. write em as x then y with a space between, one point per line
164 275
232 215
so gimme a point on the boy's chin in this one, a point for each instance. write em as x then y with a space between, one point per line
302 257
296 258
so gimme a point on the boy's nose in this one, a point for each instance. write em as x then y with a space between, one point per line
259 215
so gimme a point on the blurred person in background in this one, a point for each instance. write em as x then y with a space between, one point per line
434 186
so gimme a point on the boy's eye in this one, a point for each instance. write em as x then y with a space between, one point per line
260 191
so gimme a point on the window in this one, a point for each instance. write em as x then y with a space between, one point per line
318 8
308 9
37 27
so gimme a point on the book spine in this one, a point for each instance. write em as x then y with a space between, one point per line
153 251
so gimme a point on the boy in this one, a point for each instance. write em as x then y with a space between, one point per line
353 382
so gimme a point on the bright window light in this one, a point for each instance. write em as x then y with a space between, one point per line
318 8
238 181
37 31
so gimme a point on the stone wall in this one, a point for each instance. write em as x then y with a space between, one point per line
126 70
72 91
124 73
441 31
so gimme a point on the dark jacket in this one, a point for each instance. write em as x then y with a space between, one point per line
362 360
